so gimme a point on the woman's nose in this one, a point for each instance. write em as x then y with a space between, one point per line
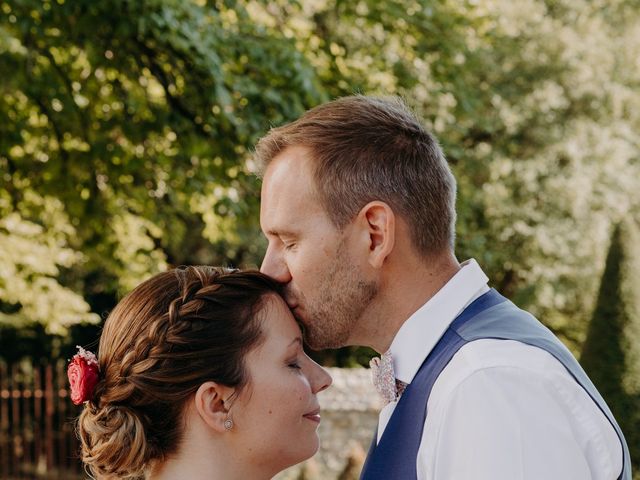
321 380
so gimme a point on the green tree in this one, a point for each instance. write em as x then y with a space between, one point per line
137 120
32 256
611 353
535 103
125 137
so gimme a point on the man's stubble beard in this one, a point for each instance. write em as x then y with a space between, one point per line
344 295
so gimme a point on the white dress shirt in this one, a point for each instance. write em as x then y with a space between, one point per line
501 409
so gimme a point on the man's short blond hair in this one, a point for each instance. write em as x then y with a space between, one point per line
368 148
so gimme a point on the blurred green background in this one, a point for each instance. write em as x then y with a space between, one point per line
126 130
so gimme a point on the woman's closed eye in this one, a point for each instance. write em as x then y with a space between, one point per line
294 364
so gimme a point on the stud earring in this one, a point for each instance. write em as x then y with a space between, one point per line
228 424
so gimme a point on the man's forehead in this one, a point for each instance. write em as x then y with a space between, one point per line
283 213
291 163
288 190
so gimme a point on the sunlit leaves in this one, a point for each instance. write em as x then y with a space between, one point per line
138 118
32 256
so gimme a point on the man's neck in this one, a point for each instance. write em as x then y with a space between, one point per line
406 288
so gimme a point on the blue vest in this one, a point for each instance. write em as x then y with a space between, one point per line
489 316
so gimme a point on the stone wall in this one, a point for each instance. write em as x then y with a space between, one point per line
349 419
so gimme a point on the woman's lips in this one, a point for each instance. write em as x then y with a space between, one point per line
313 416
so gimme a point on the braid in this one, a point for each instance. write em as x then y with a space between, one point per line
163 331
162 341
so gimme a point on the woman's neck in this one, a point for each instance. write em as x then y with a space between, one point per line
175 469
205 461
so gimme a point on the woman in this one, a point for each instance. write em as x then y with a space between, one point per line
201 374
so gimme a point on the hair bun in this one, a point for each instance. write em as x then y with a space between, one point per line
113 442
198 319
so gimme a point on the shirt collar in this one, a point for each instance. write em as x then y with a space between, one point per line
422 330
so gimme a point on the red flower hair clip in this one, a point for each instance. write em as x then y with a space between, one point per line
83 375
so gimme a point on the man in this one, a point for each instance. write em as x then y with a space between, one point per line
358 206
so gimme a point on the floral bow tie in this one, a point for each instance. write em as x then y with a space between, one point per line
384 378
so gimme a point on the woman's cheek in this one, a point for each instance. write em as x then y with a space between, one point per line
302 390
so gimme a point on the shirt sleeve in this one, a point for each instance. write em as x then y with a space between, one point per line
506 423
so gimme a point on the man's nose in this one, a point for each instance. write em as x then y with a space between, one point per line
274 265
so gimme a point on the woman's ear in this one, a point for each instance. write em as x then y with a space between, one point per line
379 222
210 405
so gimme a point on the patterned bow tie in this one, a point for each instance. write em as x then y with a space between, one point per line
384 378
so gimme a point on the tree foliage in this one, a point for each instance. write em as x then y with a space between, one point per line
131 124
611 353
32 257
124 136
536 105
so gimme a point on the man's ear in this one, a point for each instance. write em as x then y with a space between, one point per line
210 404
379 223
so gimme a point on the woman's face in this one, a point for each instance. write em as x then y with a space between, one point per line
276 416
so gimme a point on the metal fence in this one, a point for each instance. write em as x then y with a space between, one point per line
37 437
38 441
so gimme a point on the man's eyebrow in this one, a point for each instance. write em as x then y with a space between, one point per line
280 233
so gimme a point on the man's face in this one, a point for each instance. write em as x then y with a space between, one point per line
325 288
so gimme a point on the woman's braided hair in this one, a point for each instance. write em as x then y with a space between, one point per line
172 333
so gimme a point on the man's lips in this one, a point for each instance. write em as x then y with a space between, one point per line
313 416
295 309
290 300
291 303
